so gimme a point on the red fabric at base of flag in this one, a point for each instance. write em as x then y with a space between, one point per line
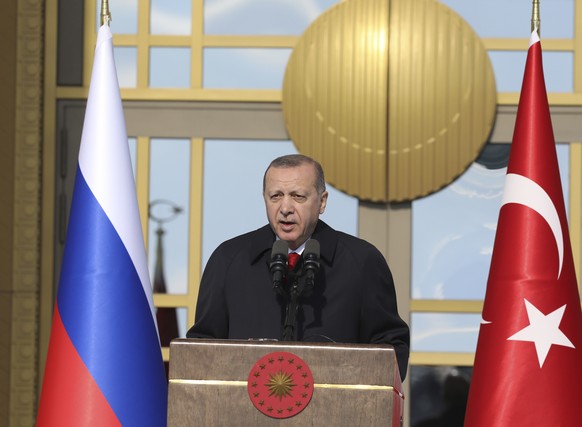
528 363
71 382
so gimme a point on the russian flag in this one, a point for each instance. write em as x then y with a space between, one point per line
104 364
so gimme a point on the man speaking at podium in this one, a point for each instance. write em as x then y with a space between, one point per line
340 289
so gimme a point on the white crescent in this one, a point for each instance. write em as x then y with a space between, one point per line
524 191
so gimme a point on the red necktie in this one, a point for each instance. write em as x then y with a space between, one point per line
293 257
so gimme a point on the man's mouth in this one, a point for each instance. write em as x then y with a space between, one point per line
286 225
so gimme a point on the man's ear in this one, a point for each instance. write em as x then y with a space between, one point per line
323 202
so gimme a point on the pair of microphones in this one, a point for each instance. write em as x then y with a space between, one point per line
304 277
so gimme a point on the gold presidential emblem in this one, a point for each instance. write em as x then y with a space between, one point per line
280 385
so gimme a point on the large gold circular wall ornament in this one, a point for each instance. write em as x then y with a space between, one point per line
395 98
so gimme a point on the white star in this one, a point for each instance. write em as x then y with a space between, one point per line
543 330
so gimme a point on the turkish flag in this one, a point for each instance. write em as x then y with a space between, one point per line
528 363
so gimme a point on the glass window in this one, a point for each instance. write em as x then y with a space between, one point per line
262 17
170 324
509 67
438 395
512 18
126 65
133 154
244 68
170 211
444 332
169 67
182 314
171 17
453 229
233 200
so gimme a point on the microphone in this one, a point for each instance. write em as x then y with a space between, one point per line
310 264
278 265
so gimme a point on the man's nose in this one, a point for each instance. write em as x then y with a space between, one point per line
287 206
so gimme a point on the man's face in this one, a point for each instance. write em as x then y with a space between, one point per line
292 202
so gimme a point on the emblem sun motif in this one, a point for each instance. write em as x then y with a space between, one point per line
280 384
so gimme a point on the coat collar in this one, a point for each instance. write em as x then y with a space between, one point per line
261 243
327 238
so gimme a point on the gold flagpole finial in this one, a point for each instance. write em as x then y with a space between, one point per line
105 14
535 16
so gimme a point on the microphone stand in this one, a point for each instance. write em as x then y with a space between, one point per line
301 281
290 325
297 285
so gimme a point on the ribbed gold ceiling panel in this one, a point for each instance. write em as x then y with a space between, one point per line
394 98
334 96
441 94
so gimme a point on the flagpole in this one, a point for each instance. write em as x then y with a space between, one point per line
531 333
105 13
104 363
535 16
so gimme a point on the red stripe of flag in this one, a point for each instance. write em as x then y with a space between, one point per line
70 381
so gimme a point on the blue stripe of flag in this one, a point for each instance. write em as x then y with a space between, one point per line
107 315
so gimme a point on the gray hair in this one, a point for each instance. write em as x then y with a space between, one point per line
295 160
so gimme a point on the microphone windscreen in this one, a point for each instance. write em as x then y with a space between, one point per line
312 247
280 247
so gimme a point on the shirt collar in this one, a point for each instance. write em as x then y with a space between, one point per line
299 250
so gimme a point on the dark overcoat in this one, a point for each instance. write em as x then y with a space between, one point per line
353 300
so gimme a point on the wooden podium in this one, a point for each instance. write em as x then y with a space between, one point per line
256 383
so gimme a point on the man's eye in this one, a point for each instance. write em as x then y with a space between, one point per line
299 197
275 197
